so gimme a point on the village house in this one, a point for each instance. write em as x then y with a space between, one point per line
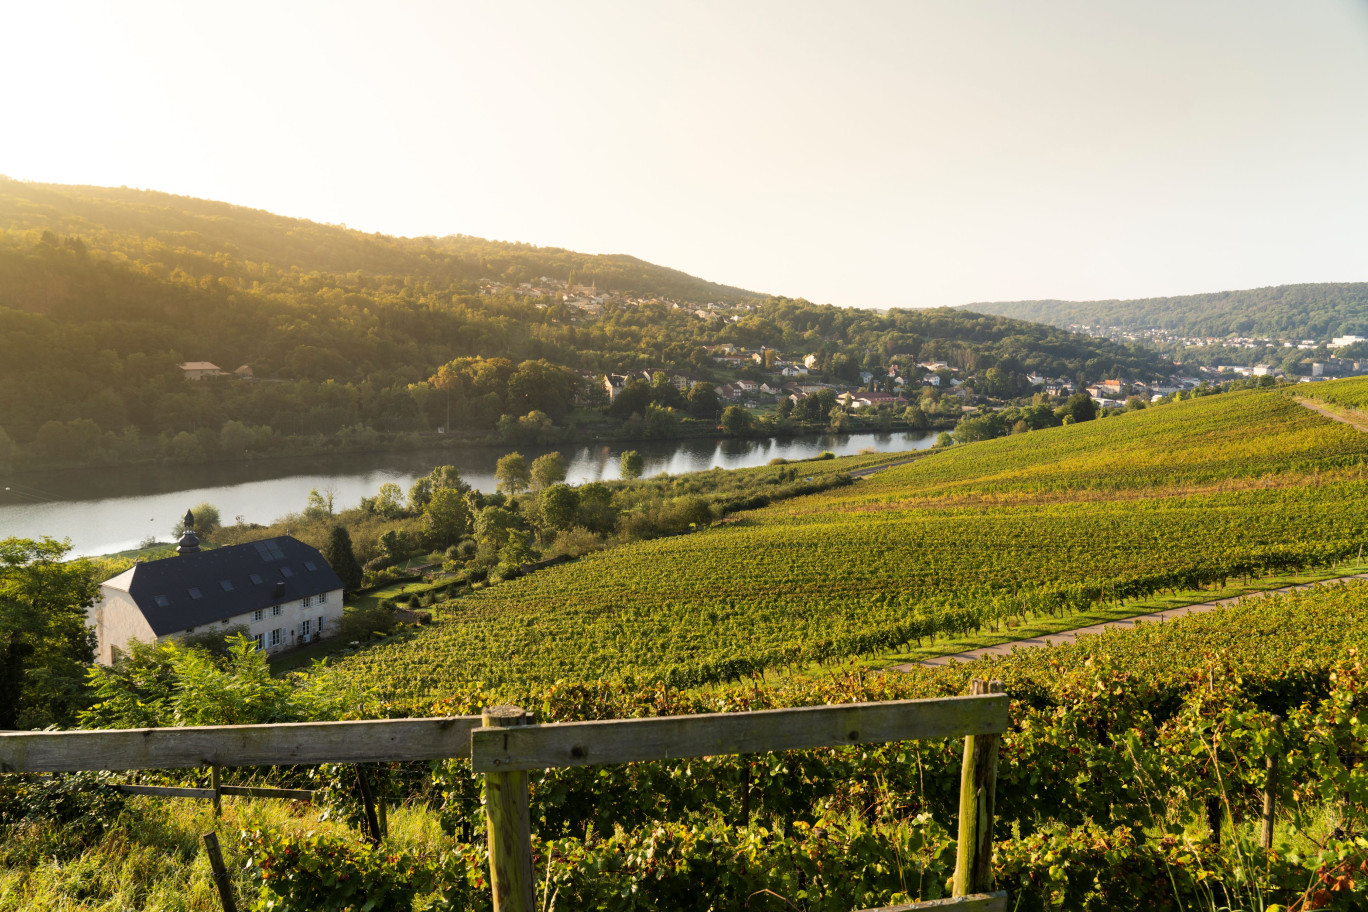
199 370
280 590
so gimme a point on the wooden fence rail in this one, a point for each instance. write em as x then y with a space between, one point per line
503 745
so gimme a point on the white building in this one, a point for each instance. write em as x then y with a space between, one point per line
281 590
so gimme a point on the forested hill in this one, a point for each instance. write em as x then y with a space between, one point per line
104 293
1320 311
202 236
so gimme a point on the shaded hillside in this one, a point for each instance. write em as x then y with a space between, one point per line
1319 312
210 238
104 292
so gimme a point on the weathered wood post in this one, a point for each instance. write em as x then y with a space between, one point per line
221 881
1213 805
368 804
978 788
215 785
1270 796
509 823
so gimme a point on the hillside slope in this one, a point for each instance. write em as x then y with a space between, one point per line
1049 521
1316 311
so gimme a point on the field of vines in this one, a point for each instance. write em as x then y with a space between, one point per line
1194 493
1350 393
1117 746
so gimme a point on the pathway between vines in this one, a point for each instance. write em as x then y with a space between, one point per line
1068 636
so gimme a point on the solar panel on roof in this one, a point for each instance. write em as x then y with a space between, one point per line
269 550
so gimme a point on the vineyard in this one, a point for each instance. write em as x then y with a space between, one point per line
1117 751
1351 393
1192 494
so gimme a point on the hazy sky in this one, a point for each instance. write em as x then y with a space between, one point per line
874 154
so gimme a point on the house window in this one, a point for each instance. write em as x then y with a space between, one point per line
306 601
275 611
304 628
322 598
256 615
275 637
320 625
260 640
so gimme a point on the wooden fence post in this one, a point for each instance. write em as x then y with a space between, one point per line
509 824
218 795
368 804
221 881
978 787
1270 796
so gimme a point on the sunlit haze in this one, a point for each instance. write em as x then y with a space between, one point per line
871 154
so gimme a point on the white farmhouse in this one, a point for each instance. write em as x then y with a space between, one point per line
280 589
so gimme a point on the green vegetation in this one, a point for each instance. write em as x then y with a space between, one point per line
1116 747
1199 493
364 341
1350 394
1318 311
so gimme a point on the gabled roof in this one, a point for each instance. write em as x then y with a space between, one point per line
199 366
191 590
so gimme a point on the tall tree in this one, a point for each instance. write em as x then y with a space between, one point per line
44 642
631 463
512 473
342 558
548 469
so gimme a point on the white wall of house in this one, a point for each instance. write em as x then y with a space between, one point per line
287 624
116 619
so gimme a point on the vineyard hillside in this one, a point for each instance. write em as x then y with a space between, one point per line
1192 493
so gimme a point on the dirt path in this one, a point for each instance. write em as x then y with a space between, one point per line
1354 422
888 465
1069 636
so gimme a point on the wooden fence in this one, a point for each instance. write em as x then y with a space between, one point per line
504 745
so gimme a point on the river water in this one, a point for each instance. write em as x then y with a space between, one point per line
107 510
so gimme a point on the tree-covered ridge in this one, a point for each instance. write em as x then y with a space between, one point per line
1318 311
103 294
204 237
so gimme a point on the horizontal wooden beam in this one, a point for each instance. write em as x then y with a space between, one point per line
976 902
670 737
167 791
369 741
245 791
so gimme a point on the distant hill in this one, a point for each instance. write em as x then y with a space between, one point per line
1319 311
231 240
104 292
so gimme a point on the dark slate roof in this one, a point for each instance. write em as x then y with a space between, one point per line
191 590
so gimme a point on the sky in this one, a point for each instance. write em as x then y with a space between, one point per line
874 154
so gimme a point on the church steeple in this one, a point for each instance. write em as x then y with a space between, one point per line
189 541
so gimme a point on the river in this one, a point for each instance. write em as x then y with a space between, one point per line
111 509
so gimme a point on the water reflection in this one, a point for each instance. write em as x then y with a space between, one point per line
104 510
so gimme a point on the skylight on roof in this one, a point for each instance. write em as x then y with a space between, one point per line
286 571
194 592
269 550
256 578
162 601
226 585
310 566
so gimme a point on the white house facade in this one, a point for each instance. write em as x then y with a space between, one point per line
280 589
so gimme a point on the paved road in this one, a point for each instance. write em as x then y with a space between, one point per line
1068 636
